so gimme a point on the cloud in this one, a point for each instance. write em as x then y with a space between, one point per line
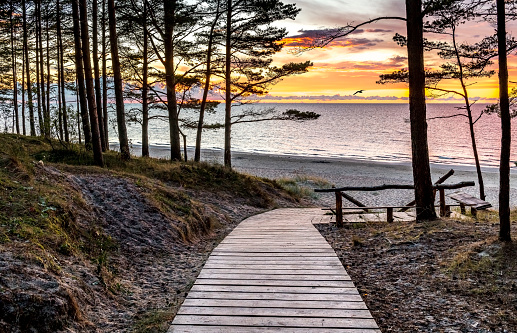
336 97
307 38
395 62
342 12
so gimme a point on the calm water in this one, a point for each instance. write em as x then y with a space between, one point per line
378 132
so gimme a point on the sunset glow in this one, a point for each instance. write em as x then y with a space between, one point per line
355 62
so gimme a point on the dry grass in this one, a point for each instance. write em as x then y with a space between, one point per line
302 186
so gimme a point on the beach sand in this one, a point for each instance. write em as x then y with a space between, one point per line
349 172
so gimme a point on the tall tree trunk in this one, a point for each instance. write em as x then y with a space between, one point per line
38 84
62 74
169 18
98 96
469 115
15 76
59 105
32 125
117 75
145 88
90 92
46 125
424 196
228 102
47 114
104 77
208 73
506 134
80 76
78 113
23 91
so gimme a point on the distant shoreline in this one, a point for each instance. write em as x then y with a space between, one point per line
216 156
353 172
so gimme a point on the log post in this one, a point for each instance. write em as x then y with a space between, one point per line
339 209
389 213
462 208
473 212
442 202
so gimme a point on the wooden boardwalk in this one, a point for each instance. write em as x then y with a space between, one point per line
274 273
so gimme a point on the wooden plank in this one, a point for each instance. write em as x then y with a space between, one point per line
275 296
275 289
287 276
272 312
278 255
275 243
257 249
286 256
260 267
290 262
275 321
282 272
306 304
275 282
237 329
469 200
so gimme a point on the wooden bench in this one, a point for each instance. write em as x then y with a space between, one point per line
474 203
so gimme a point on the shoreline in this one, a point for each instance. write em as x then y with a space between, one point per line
353 172
348 172
216 156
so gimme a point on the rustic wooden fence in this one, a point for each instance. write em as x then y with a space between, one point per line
438 187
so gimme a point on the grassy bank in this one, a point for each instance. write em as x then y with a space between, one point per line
74 236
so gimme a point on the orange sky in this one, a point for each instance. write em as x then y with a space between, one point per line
355 63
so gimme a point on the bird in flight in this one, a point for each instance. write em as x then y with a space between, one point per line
358 92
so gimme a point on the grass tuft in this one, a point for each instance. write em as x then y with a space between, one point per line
302 186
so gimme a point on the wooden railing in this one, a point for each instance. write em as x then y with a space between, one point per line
438 187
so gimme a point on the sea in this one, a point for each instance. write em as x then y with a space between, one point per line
370 132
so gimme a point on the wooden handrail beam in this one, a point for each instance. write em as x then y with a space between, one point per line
354 201
393 187
454 186
367 188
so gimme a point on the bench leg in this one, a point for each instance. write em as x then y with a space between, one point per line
389 213
462 207
473 212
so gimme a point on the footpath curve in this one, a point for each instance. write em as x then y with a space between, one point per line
274 273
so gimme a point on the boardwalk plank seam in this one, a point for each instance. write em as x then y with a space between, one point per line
274 273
